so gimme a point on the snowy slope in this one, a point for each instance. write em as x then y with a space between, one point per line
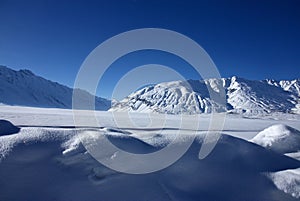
51 164
287 85
24 88
176 97
279 138
291 86
258 96
287 181
285 140
192 97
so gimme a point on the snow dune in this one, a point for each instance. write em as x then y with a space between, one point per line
7 128
51 164
280 138
285 140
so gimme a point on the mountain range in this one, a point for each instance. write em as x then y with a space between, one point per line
27 89
241 96
194 97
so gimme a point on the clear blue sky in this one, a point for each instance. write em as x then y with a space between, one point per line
254 39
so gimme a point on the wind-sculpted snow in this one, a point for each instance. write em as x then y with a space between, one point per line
288 181
285 140
7 128
26 89
51 164
279 138
193 97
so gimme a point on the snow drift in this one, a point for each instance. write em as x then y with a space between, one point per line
7 128
285 140
51 164
288 181
280 138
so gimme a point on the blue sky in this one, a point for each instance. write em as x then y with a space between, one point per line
250 39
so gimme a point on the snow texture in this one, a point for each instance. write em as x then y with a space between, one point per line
285 140
51 164
279 138
194 97
7 128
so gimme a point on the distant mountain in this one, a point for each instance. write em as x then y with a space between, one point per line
192 97
27 89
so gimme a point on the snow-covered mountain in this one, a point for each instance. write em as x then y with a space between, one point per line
193 97
27 89
287 85
173 97
292 86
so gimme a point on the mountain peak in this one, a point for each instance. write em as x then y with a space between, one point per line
26 72
194 96
24 88
6 70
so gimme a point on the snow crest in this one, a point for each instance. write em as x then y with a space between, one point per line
280 138
285 140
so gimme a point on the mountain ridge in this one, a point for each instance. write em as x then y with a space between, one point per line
24 88
193 97
243 96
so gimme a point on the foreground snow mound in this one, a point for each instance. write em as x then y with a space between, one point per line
280 138
51 164
288 181
7 128
285 140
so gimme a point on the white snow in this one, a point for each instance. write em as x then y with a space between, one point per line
285 140
288 181
42 156
27 89
45 160
280 138
249 97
